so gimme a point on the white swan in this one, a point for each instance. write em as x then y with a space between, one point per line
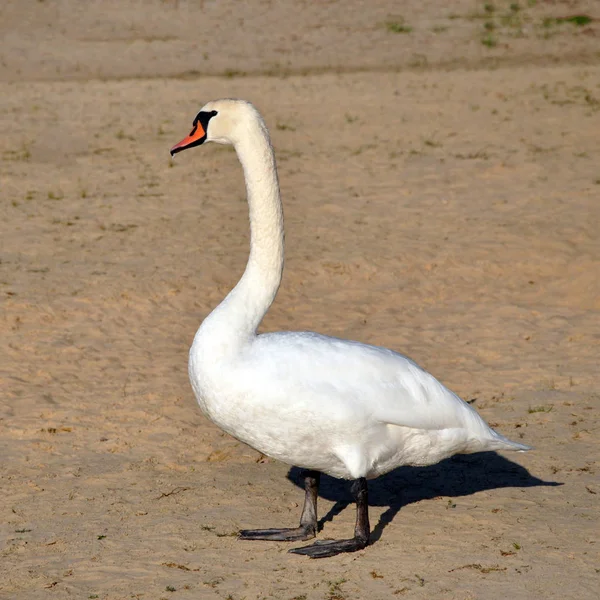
328 405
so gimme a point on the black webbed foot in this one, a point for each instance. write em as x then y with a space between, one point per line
308 521
294 534
323 549
308 524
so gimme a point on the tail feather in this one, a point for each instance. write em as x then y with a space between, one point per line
499 442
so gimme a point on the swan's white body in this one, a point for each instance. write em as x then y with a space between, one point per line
344 408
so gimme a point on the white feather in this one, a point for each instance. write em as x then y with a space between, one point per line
341 407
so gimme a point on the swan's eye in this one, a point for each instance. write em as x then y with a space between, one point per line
203 117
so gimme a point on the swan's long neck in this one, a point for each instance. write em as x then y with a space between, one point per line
234 322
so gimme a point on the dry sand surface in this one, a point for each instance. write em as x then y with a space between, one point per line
440 169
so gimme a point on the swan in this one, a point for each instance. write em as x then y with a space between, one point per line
328 405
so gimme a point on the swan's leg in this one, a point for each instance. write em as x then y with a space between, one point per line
361 530
308 521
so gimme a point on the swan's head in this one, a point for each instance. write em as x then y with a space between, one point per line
220 121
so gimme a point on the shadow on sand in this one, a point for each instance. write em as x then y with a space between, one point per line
460 475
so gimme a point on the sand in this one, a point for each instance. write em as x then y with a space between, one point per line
439 170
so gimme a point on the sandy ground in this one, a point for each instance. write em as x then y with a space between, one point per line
441 180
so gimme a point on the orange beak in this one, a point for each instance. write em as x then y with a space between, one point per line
197 136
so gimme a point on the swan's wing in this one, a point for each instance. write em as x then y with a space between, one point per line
419 400
350 378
